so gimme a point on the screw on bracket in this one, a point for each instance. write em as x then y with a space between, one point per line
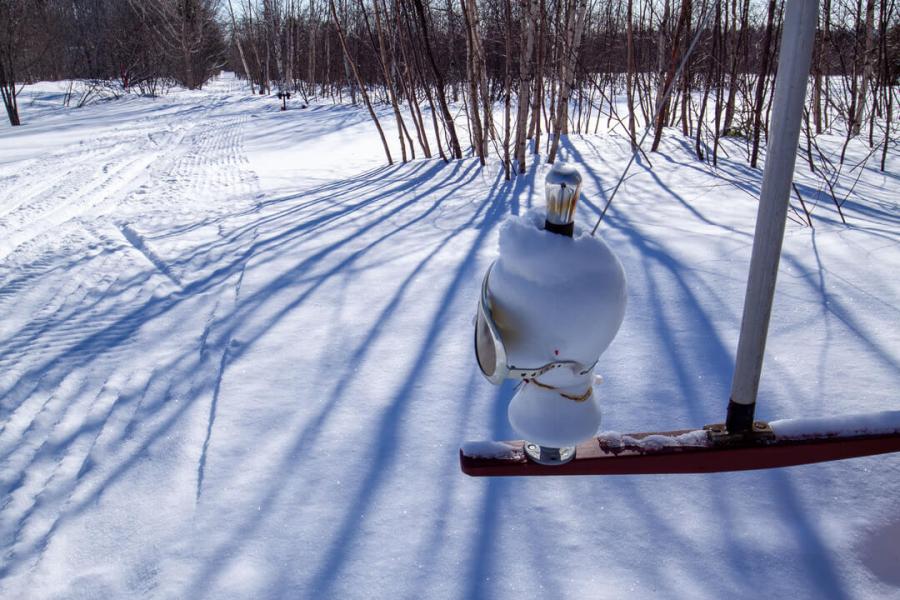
761 434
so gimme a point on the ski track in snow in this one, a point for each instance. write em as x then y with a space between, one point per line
235 361
89 323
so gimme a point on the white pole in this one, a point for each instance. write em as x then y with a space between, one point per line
797 40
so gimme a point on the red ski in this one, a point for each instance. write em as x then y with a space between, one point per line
710 450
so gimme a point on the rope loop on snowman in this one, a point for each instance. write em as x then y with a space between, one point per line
579 398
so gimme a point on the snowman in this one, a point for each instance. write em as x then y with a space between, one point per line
550 305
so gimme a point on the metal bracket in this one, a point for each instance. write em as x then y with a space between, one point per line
760 435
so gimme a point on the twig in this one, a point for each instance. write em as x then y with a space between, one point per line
803 204
668 92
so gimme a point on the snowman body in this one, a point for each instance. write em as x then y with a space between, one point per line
555 298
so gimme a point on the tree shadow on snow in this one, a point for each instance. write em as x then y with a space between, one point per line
328 230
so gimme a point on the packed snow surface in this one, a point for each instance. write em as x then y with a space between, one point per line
493 449
236 362
558 298
614 439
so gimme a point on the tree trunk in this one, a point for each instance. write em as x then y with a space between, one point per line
629 78
507 90
760 84
537 107
311 51
686 75
473 66
662 55
240 47
8 91
817 69
526 76
362 88
574 25
868 67
717 73
439 82
738 40
415 75
388 81
662 101
273 36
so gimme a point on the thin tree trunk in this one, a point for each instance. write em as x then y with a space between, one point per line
240 47
817 66
686 76
887 88
406 26
574 26
473 61
362 88
662 55
273 37
629 77
720 43
760 84
662 103
439 79
388 81
526 77
739 40
537 106
311 51
887 125
508 91
8 91
868 66
826 35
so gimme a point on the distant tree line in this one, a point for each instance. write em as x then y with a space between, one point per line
141 45
521 73
533 70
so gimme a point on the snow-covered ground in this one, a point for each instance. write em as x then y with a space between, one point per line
236 362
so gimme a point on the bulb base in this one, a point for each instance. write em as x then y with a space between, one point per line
544 455
566 229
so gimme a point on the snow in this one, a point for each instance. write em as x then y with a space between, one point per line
614 439
494 450
882 422
547 417
236 362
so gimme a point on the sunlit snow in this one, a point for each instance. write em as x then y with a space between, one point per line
236 362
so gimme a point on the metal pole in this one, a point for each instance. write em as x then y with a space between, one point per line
794 58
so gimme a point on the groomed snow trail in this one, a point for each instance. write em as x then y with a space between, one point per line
235 362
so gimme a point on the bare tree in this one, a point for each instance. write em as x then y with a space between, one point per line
528 25
575 12
190 32
449 127
237 40
362 88
630 68
761 83
560 66
868 66
19 48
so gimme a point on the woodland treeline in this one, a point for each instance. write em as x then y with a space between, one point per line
504 78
